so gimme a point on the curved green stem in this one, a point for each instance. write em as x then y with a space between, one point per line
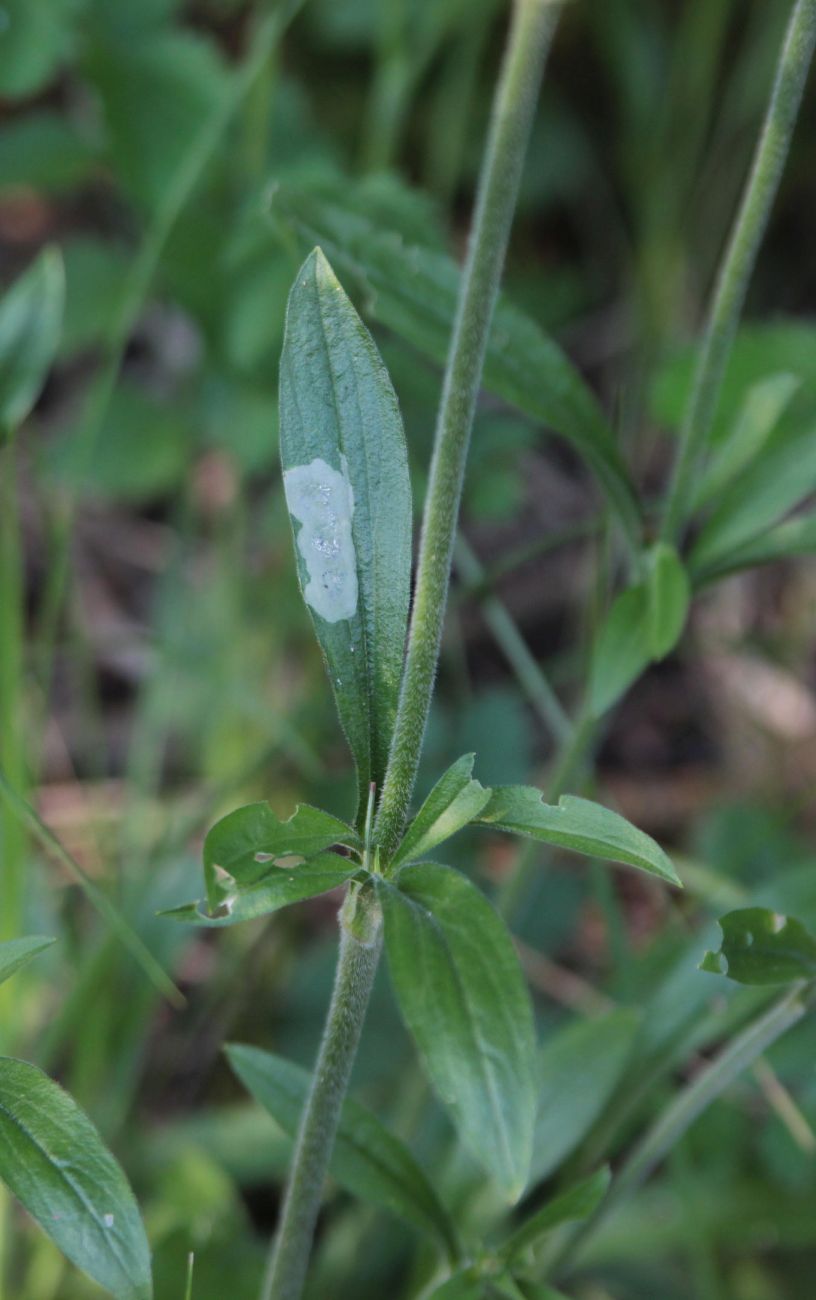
740 257
530 34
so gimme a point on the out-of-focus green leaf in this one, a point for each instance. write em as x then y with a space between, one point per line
786 541
413 290
577 824
462 994
55 1163
15 953
30 318
577 1202
621 650
466 1285
579 1069
345 474
36 35
668 595
367 1159
280 887
761 947
94 275
249 840
762 409
454 801
42 150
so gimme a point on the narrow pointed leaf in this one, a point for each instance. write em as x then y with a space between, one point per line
578 1070
16 953
279 887
30 320
761 947
367 1159
55 1163
469 1284
245 841
462 994
577 824
621 650
764 405
577 1202
669 593
787 540
454 801
345 473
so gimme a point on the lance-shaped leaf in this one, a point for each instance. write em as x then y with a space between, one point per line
621 650
55 1163
793 537
764 405
577 824
18 952
454 801
462 994
345 474
30 319
367 1159
577 1202
761 947
247 840
669 593
279 887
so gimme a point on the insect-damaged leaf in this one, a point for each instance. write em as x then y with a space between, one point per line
454 801
761 947
279 887
577 824
462 994
16 953
367 1159
345 472
55 1163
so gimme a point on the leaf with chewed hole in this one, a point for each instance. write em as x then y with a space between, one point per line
281 886
762 947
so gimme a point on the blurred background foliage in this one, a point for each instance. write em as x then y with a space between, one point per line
157 667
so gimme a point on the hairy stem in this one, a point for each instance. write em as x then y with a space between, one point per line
739 259
514 106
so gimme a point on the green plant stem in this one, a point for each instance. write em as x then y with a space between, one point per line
687 1106
740 257
356 968
531 679
531 31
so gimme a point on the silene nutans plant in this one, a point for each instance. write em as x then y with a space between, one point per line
539 1138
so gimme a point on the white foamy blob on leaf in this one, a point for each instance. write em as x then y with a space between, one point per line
322 501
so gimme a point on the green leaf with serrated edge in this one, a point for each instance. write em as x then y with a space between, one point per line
579 1068
764 404
280 887
794 537
247 840
30 319
15 953
462 994
577 1202
54 1161
345 472
621 649
413 291
761 947
777 480
668 595
367 1159
454 801
577 824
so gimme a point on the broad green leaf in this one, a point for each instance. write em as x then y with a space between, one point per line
413 290
577 824
764 404
45 150
249 840
786 541
462 994
577 1202
761 947
55 1163
621 650
668 592
454 801
367 1159
30 317
783 475
35 37
579 1069
280 887
345 473
16 953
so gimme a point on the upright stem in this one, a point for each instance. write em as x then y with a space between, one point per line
514 106
738 263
